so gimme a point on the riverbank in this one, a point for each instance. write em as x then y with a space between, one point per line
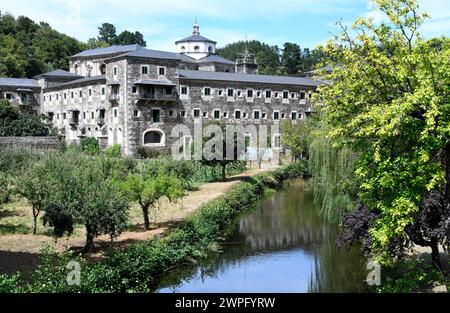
138 267
22 252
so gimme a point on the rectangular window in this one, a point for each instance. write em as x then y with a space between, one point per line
115 70
81 94
268 94
277 141
220 92
230 92
144 70
50 97
293 95
90 92
183 114
196 113
237 114
64 115
162 71
92 115
65 96
205 114
293 116
302 95
134 89
225 114
115 112
217 114
84 115
184 90
103 91
256 115
207 91
57 116
170 113
285 95
136 113
57 96
283 116
276 115
250 93
71 95
156 116
239 93
23 97
264 115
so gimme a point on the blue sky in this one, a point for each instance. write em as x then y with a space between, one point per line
307 22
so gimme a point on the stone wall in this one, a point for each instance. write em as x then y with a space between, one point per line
33 143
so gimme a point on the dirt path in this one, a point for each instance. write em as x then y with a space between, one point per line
21 252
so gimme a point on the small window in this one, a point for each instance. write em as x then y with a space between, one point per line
283 116
197 48
258 94
250 93
276 115
268 94
115 112
65 96
276 94
136 113
225 114
239 93
230 92
220 92
205 114
81 94
285 95
302 95
156 116
144 70
92 115
217 114
57 96
170 113
134 89
71 95
196 113
57 116
115 70
277 141
103 91
207 91
84 115
183 114
64 115
264 115
293 116
184 90
237 114
293 95
90 92
244 115
256 115
50 97
162 71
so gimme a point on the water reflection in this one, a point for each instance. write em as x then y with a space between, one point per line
281 246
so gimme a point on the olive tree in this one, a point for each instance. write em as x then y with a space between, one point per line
148 190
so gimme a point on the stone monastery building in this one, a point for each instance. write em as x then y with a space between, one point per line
133 96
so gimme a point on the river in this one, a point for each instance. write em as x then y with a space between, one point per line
283 245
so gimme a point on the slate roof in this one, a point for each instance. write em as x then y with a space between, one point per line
19 82
155 54
58 73
108 50
215 58
249 78
195 38
154 82
81 81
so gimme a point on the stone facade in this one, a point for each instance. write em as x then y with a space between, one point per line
32 143
134 97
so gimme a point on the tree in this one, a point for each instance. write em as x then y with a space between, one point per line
128 38
15 123
295 137
80 194
107 33
216 142
148 190
34 185
292 59
389 103
94 43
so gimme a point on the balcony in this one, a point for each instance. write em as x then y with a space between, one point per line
114 97
73 120
100 120
146 96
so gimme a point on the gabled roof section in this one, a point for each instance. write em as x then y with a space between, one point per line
116 49
195 38
213 58
19 82
58 73
149 53
249 78
92 79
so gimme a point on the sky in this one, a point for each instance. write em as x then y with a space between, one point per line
306 22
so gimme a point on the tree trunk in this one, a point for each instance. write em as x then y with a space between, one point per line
435 254
35 216
146 219
89 238
224 172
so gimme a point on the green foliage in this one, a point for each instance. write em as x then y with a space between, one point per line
10 284
108 35
137 268
28 49
389 104
90 145
15 123
410 276
114 151
273 61
295 137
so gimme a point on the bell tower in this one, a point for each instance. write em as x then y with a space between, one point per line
246 62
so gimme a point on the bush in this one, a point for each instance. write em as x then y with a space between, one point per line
90 146
114 151
10 284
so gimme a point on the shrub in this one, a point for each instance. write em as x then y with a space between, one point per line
114 151
90 146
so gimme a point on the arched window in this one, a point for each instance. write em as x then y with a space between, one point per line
183 48
197 48
103 69
154 138
76 68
